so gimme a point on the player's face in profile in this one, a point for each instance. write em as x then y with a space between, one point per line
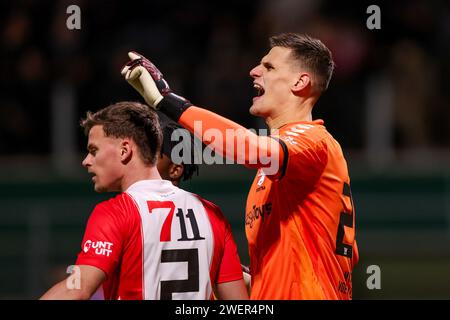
163 166
169 170
273 79
103 160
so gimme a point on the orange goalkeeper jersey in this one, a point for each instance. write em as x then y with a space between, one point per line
299 222
300 225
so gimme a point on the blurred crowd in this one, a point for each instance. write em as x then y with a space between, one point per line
206 49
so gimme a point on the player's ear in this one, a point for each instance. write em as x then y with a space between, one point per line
126 151
302 82
175 171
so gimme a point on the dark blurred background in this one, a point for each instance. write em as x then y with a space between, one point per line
388 106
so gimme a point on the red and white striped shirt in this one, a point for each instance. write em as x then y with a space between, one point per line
156 241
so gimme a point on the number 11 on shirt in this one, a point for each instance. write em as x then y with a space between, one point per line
166 228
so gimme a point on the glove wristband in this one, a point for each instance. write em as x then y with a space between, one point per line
173 106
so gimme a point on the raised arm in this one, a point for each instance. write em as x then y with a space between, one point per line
226 137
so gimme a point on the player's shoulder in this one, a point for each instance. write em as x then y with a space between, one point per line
207 204
312 130
303 135
213 210
120 203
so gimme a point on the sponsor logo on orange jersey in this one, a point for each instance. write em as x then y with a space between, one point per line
257 212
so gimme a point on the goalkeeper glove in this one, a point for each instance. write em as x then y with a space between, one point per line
142 75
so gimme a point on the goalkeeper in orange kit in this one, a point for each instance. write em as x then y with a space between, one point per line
299 220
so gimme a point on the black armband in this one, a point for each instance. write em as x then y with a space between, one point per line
286 157
173 106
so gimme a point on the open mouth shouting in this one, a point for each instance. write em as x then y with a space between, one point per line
259 90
